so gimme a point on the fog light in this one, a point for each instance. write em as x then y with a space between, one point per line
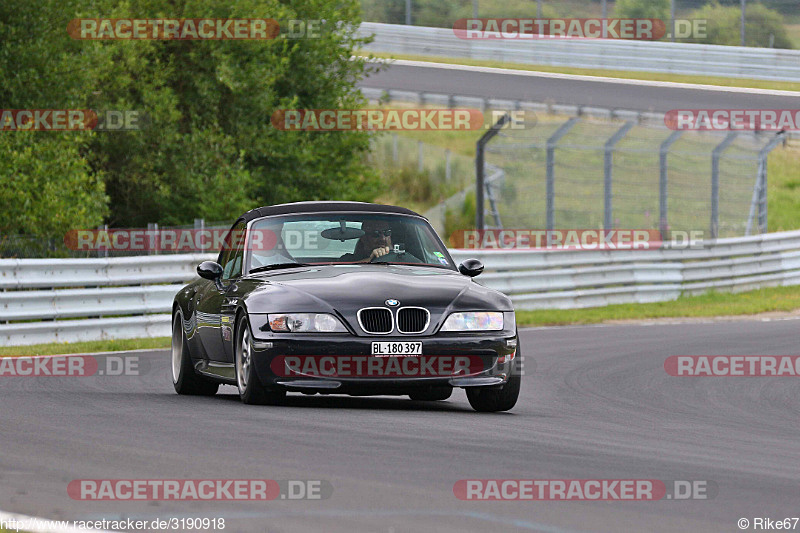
260 345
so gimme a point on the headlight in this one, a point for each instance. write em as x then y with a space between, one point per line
306 323
475 321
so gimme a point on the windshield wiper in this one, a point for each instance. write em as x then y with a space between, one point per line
278 266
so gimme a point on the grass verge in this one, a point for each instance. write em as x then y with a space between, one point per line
624 74
794 34
86 347
711 304
783 189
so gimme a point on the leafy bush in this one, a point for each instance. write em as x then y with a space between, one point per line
643 9
460 219
46 185
209 149
724 23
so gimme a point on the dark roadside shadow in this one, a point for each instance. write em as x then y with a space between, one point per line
229 397
381 403
341 402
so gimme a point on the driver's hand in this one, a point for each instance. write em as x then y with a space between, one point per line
378 252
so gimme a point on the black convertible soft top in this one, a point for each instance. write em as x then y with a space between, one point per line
319 207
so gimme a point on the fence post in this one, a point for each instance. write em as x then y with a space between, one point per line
550 185
663 205
608 166
760 188
420 161
447 171
480 181
715 155
394 147
99 252
199 225
152 231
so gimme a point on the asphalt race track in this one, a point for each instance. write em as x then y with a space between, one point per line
598 405
533 87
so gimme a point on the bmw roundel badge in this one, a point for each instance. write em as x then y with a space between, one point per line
391 302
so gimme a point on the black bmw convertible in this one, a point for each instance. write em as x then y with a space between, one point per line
343 298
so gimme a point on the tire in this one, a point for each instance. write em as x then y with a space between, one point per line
487 400
184 378
251 390
432 395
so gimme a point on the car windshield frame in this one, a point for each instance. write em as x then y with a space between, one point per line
451 265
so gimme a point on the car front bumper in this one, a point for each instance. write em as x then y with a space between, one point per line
492 359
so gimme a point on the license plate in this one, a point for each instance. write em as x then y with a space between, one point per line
396 349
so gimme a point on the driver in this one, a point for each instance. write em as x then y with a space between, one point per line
376 242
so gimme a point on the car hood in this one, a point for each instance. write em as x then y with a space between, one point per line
344 289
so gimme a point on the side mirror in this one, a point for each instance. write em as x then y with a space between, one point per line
209 270
470 267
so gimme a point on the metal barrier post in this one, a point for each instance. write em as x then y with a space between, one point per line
550 185
663 224
715 155
480 179
608 165
760 189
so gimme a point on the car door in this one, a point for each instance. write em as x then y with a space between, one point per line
214 315
234 289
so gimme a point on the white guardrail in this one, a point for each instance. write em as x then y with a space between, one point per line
115 298
71 300
646 56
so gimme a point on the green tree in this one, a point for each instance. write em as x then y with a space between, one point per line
643 9
47 185
724 22
208 148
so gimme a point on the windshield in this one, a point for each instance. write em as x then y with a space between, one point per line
347 238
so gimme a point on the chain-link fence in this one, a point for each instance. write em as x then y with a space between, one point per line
584 172
447 169
423 176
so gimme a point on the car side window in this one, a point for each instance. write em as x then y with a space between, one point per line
232 254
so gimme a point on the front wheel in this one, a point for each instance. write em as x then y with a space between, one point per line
485 400
251 391
184 378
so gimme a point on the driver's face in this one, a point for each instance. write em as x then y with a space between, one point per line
377 234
